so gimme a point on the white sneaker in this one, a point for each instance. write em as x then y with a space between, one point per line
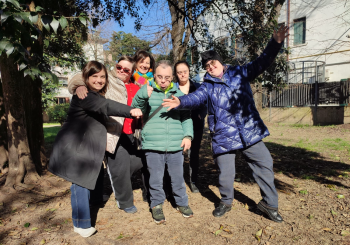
85 232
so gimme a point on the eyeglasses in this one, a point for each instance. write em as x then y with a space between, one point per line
161 78
126 70
210 63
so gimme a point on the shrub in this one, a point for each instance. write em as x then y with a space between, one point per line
58 113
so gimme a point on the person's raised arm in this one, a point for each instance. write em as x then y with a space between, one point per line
98 104
77 86
191 101
258 66
141 98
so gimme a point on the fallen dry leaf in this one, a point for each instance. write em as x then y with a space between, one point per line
13 233
258 235
246 206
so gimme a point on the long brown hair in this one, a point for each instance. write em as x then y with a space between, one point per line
91 68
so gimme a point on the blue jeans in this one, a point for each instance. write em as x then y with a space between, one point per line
80 201
260 161
156 164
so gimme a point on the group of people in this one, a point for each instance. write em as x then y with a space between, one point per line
138 94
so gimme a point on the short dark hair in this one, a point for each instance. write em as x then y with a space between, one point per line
91 68
141 55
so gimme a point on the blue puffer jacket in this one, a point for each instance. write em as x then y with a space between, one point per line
232 116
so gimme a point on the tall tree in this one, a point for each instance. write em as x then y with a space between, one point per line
26 28
123 43
191 23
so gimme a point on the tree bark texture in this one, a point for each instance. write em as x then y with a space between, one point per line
179 28
3 133
20 160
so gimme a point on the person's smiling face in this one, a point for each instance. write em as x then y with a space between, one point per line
124 69
97 81
214 68
144 65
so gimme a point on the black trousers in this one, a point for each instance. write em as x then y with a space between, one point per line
194 151
121 165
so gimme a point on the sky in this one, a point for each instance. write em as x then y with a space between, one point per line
128 26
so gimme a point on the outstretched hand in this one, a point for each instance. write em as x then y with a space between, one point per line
171 103
281 33
137 113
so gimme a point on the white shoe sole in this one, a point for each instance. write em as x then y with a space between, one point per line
85 232
159 222
184 215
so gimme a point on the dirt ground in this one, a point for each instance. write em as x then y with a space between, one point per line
312 177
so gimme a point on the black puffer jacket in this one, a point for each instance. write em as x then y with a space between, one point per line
80 144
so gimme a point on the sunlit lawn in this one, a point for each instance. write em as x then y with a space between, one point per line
50 134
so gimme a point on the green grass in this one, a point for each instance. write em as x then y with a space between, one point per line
51 124
50 134
324 145
297 125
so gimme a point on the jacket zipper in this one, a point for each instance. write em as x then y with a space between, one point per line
166 129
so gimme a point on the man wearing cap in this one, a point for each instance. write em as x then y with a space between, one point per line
235 123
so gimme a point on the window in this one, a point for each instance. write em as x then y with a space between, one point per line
299 31
63 82
192 55
62 100
283 44
233 46
239 47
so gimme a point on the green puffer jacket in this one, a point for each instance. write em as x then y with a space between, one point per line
166 130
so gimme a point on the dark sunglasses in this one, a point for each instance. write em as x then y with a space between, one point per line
126 70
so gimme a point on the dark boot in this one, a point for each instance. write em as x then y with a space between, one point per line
271 212
221 210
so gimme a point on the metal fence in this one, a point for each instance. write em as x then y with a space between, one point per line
320 94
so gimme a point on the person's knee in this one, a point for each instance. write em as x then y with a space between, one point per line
267 161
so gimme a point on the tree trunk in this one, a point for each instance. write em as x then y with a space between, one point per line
34 122
20 160
3 133
178 29
33 108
